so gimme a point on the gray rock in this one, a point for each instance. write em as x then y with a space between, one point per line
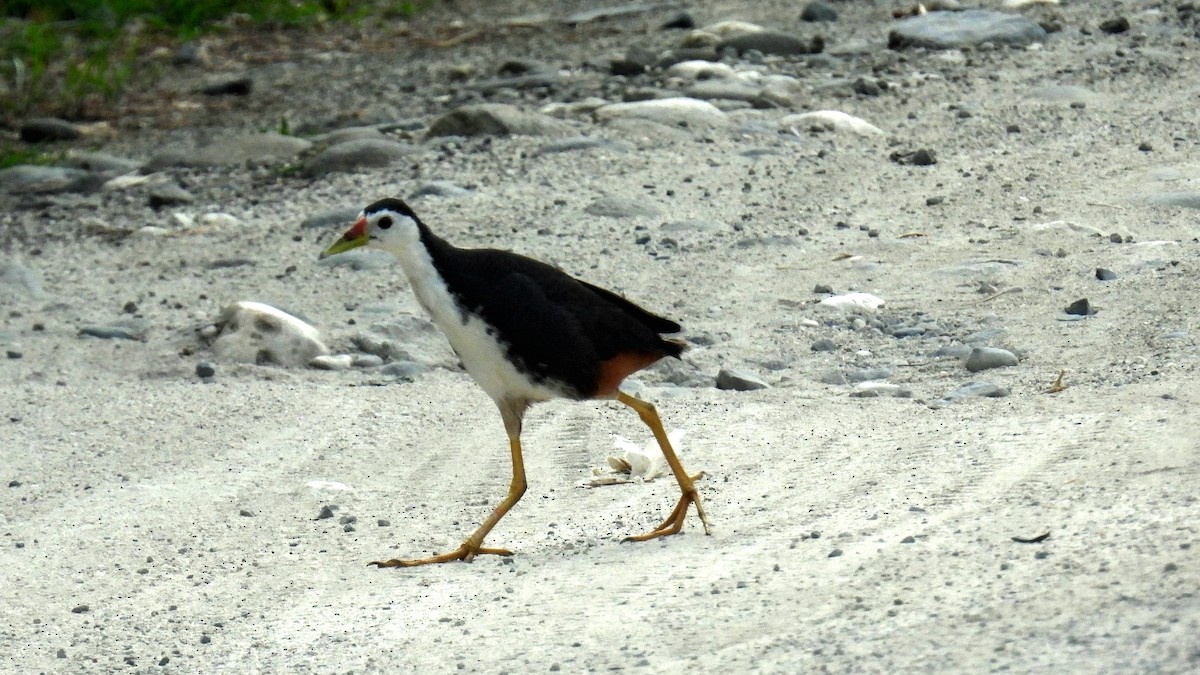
124 329
169 194
348 134
361 153
233 151
331 362
880 390
824 345
730 89
495 119
45 129
583 143
440 188
205 369
333 217
615 207
1187 200
772 42
956 30
681 21
976 389
28 178
17 281
818 11
1104 274
986 358
366 361
740 380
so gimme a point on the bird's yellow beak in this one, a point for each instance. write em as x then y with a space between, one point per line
355 236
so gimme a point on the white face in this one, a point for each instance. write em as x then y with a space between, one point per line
387 229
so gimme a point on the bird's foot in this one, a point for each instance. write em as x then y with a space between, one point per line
465 553
674 522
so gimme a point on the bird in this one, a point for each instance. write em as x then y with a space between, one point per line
526 332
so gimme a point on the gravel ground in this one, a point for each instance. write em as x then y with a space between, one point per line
881 478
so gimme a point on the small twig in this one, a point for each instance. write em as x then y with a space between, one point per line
1107 206
1032 540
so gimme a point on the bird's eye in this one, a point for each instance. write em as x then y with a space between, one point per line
384 222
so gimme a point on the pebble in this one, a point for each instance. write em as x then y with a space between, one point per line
332 362
824 345
691 71
668 111
958 30
80 609
818 11
822 288
739 380
383 523
13 354
246 513
835 553
986 358
326 512
352 155
205 369
617 207
1080 307
681 21
404 370
46 129
169 194
1104 274
252 332
124 329
495 119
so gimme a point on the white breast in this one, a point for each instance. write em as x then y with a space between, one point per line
473 340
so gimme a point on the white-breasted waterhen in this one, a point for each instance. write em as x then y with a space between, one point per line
526 332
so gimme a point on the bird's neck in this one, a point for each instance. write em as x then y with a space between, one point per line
420 259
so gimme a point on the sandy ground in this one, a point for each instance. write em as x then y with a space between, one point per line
152 521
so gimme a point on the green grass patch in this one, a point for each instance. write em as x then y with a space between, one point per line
70 57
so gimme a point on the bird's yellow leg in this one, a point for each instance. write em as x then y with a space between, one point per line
473 545
674 522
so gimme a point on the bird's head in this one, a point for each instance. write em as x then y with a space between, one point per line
388 224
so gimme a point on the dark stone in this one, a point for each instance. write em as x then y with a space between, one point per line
818 11
739 380
239 86
125 329
1115 26
1105 274
45 129
205 369
914 158
822 288
326 512
493 119
866 87
824 345
681 21
1080 307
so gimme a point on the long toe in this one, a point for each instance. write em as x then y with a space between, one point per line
466 553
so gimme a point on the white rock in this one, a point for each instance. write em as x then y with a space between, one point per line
670 111
329 485
852 301
218 220
183 220
831 120
699 70
332 362
252 332
728 29
151 231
